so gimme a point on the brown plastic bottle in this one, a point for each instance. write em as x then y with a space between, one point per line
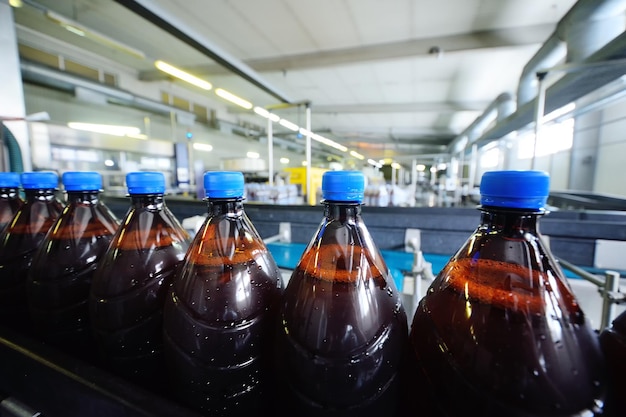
342 328
10 200
132 279
219 319
60 277
20 240
613 343
499 331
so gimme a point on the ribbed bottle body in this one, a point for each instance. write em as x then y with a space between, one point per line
19 241
60 278
220 317
129 288
342 327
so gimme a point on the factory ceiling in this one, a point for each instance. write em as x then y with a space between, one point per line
396 79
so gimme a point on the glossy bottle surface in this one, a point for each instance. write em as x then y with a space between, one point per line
500 333
10 200
62 270
220 317
129 288
613 343
10 203
342 329
18 243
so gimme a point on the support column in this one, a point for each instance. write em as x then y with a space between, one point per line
11 90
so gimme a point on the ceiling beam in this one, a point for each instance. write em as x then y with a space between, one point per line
496 38
435 107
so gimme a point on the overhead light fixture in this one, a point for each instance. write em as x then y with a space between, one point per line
420 167
396 165
137 136
305 132
253 155
182 75
205 147
357 155
375 163
83 31
16 3
264 113
233 98
291 126
329 142
114 130
284 160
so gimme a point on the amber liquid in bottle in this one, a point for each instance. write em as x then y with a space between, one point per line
343 330
129 288
499 332
19 242
60 278
220 317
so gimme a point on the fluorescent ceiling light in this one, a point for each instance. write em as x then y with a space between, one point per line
357 155
420 167
264 113
106 129
109 162
137 136
329 142
284 160
305 132
291 126
205 147
182 75
81 30
253 155
396 165
233 98
376 164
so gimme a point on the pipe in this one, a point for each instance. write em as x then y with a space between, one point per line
586 27
16 162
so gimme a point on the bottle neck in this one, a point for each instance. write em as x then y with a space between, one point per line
342 210
506 219
220 206
40 194
83 197
147 201
7 193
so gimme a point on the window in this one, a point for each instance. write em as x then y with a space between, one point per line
553 138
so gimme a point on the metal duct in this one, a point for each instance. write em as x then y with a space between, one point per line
499 109
587 26
604 66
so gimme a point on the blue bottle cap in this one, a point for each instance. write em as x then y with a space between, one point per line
40 179
223 184
9 180
82 181
515 189
145 183
343 186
